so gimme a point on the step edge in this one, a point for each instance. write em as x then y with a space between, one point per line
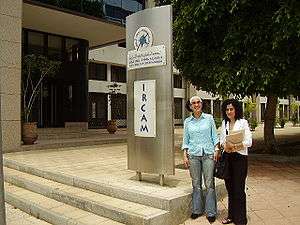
101 188
34 209
117 214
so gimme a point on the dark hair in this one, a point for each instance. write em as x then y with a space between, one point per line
236 105
188 106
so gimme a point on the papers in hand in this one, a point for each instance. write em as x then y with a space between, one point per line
236 137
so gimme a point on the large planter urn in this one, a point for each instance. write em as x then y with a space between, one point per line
29 133
112 126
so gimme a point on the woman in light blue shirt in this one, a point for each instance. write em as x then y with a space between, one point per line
200 140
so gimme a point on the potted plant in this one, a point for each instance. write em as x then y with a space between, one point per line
34 69
112 126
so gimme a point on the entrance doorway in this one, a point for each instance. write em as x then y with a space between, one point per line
51 104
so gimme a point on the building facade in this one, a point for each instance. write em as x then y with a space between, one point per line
90 87
64 31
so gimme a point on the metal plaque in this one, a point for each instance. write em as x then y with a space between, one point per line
150 63
150 57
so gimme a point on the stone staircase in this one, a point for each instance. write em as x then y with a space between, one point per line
61 133
53 138
59 198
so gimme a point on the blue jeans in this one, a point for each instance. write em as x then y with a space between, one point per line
203 165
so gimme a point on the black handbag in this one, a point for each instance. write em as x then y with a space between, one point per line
221 169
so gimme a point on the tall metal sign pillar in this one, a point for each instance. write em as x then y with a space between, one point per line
150 96
2 202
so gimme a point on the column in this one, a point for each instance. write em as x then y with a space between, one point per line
258 109
10 73
212 107
108 96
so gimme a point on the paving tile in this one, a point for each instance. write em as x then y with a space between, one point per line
266 214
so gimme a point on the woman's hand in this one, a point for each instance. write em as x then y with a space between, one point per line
186 160
217 155
228 147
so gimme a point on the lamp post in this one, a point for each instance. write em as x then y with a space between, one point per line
113 89
2 202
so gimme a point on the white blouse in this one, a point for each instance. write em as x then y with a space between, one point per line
240 124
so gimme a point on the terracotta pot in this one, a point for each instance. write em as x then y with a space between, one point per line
29 133
112 126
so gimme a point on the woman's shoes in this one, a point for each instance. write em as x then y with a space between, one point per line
211 219
194 216
227 221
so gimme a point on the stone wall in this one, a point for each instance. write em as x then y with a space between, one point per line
10 73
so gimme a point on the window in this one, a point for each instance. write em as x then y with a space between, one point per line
178 108
119 106
72 48
55 47
97 110
118 10
35 43
262 111
97 71
177 81
286 111
118 74
281 111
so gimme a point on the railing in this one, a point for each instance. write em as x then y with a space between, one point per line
89 7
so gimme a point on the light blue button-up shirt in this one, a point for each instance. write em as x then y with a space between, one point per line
200 135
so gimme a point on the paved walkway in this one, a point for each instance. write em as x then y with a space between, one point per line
273 195
273 188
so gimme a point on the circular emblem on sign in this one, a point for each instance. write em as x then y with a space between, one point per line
143 38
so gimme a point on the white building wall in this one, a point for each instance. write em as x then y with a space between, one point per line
110 54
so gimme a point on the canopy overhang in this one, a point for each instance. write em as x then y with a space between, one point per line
50 19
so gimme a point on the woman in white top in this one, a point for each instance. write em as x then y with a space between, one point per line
236 155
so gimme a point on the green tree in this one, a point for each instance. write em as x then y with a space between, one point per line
242 47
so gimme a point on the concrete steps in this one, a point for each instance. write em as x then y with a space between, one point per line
126 203
72 142
50 210
61 133
102 205
112 189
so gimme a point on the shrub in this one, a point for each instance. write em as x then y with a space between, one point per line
253 124
294 120
282 122
218 122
